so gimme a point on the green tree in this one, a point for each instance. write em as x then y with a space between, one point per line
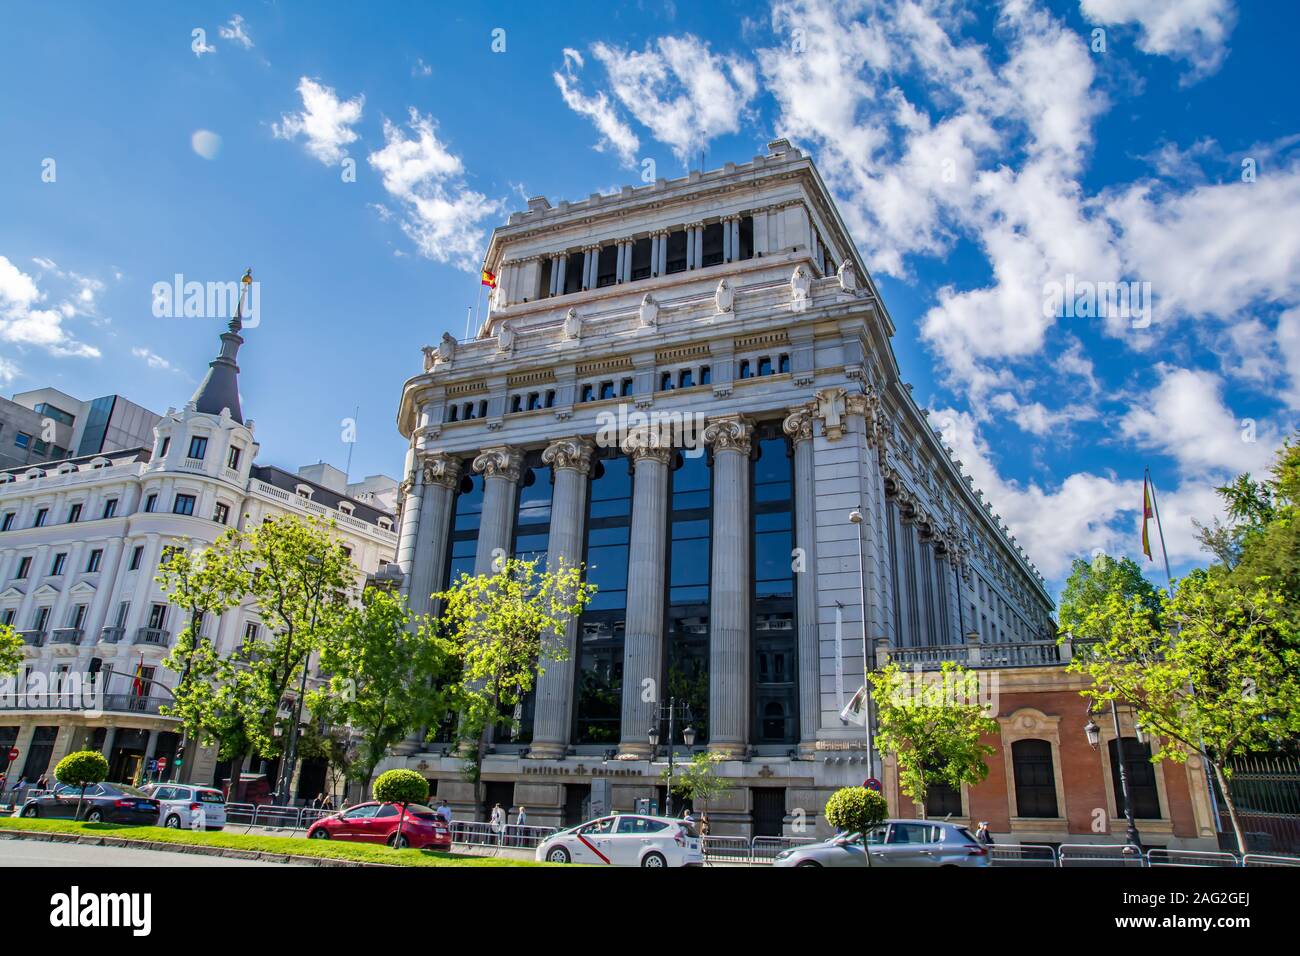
934 724
856 810
1215 672
81 769
1265 517
403 787
11 651
1091 581
299 579
386 678
501 627
698 779
203 582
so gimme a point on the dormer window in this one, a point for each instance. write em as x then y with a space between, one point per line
198 447
166 444
304 491
385 524
232 459
346 507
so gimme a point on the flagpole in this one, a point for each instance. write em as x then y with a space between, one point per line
478 300
1164 552
1155 507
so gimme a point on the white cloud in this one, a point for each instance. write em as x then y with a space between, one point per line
1193 30
1288 340
8 372
21 323
1184 416
682 92
614 133
236 33
421 68
441 214
153 359
325 121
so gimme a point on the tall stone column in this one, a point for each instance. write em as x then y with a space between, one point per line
500 470
411 491
662 261
799 426
439 476
699 245
643 641
924 587
570 461
900 558
726 241
564 267
729 644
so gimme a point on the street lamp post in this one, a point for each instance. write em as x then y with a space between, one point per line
1094 738
669 711
291 751
855 517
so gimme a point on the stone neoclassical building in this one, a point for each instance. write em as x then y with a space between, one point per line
81 540
689 386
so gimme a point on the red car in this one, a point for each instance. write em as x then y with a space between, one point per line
373 822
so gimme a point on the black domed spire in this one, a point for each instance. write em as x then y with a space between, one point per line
220 388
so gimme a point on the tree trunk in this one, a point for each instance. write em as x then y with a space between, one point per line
236 772
1232 808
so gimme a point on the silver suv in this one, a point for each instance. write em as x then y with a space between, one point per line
894 843
185 806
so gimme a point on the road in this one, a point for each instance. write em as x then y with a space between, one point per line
41 853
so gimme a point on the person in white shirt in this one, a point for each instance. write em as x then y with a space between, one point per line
498 823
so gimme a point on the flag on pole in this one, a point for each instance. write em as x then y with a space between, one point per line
1147 514
488 279
855 711
138 684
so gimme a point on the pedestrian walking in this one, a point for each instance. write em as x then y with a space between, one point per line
444 811
498 824
521 821
20 790
982 833
704 824
43 782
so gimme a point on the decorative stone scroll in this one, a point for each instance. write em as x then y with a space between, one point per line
499 463
730 433
440 469
569 453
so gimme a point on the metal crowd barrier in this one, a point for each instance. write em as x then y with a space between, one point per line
1266 859
277 818
1162 857
480 833
764 849
1022 855
240 813
727 849
1100 854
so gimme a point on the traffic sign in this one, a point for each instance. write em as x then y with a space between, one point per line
162 763
13 753
871 783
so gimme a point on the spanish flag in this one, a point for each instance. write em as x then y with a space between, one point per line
488 279
1147 514
138 684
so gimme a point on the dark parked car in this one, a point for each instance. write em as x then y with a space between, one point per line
103 803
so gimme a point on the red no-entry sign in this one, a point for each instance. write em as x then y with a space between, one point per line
162 763
13 753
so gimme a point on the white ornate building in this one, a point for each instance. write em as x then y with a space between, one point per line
80 544
732 305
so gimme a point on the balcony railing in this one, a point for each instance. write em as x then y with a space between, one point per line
66 635
32 638
152 635
85 701
1020 654
111 635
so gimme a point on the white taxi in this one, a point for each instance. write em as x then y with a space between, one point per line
189 807
626 839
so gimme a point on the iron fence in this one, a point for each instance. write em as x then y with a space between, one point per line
1266 793
1022 855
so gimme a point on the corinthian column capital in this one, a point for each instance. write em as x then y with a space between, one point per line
729 433
440 469
647 443
570 453
501 462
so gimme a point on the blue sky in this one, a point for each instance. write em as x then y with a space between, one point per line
979 152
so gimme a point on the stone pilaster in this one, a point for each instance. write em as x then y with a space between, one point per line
438 477
643 642
570 461
729 645
500 470
799 426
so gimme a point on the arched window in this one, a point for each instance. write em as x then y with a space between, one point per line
773 721
1031 762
